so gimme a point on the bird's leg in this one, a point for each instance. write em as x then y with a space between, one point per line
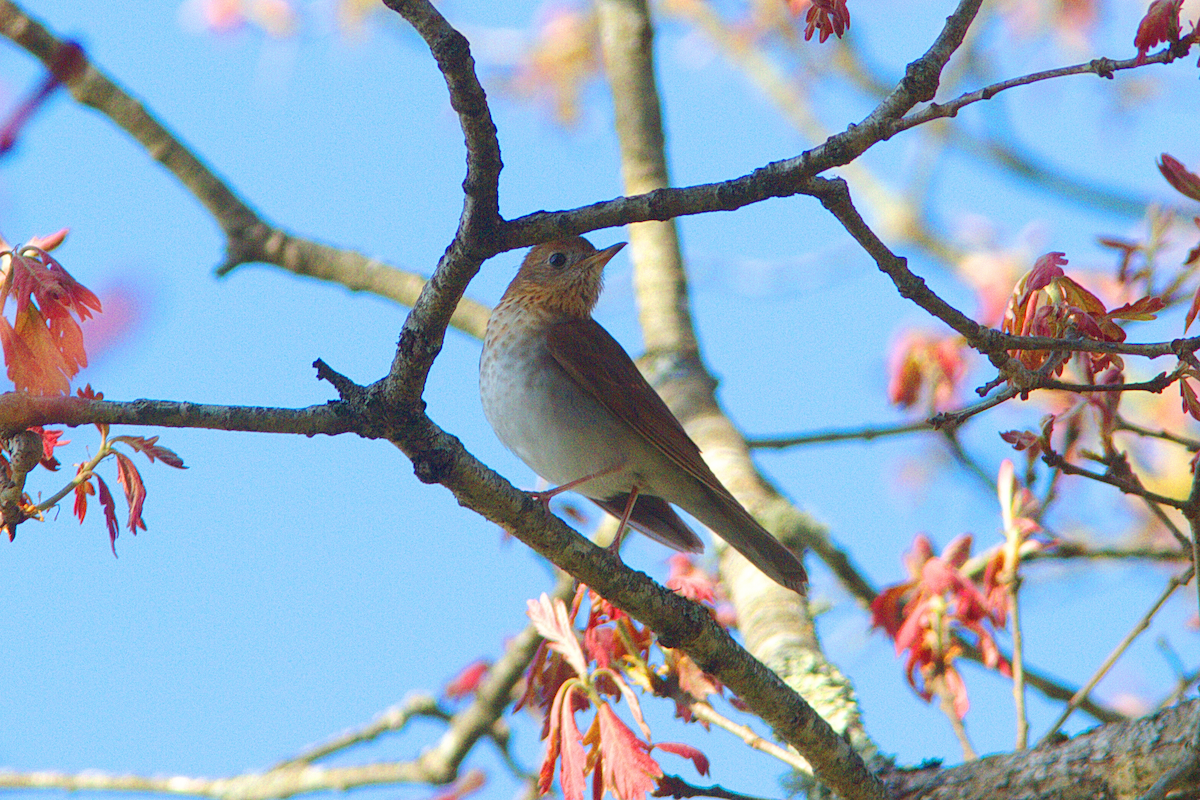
549 494
615 547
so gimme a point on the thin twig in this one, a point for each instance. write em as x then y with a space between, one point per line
1056 460
1104 67
946 704
1012 589
1118 651
391 720
1122 424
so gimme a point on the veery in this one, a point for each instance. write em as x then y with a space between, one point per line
564 396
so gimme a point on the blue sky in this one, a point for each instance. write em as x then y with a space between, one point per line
288 588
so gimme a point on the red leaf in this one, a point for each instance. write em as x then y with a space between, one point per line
467 680
50 440
551 620
1143 309
82 490
687 751
1195 308
553 742
629 771
1045 269
1161 24
44 346
957 691
110 511
135 491
50 241
690 581
1191 404
573 768
827 16
34 364
152 451
1183 180
1020 440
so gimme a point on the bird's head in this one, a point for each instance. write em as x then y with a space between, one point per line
563 276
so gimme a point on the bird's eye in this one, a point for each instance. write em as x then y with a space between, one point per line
557 260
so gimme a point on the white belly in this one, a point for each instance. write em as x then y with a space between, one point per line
540 414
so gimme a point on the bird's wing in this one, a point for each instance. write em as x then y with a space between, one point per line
602 367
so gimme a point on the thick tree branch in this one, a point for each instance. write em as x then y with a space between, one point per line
477 237
1118 760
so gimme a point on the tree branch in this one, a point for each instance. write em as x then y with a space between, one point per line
249 237
19 411
477 237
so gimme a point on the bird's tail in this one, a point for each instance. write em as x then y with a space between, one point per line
729 520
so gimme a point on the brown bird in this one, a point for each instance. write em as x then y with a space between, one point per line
564 396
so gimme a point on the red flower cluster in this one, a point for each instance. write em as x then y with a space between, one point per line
830 17
1045 302
926 368
926 614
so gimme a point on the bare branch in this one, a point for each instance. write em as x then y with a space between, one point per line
1104 67
479 224
18 411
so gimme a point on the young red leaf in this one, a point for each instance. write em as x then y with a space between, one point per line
957 691
551 620
694 681
50 440
830 17
629 771
573 767
1020 440
635 707
553 741
135 491
151 450
1183 180
1144 309
110 511
1045 269
1161 24
34 364
44 346
82 490
1191 405
690 581
687 751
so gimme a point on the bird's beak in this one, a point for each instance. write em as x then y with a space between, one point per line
597 260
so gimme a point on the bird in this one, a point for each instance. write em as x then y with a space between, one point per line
563 395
